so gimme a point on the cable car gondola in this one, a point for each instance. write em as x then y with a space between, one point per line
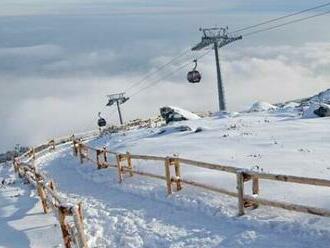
194 76
101 122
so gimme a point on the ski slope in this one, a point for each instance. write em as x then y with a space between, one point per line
138 213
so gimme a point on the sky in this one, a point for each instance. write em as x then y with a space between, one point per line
58 61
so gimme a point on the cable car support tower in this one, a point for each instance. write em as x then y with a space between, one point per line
218 37
119 99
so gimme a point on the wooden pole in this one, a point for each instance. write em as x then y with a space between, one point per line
41 191
255 185
168 176
129 164
255 189
33 154
80 228
81 214
177 174
80 150
105 154
33 157
120 176
52 185
64 227
98 159
15 165
75 149
240 191
42 195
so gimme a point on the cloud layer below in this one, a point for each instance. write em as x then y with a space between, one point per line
47 107
55 71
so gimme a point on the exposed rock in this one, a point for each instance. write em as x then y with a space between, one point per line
317 110
170 114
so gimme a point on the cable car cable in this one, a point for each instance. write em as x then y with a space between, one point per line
286 23
154 83
280 18
134 84
164 71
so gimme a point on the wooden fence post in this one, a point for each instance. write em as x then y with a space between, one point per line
52 185
41 191
42 195
240 191
129 164
15 165
64 227
78 220
98 152
120 176
255 188
75 149
177 173
255 185
33 153
105 154
20 174
80 211
33 157
168 176
80 150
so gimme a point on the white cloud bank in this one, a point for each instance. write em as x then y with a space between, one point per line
63 105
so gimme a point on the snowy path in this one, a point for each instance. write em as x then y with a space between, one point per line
22 221
138 214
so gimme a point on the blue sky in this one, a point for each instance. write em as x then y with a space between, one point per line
61 59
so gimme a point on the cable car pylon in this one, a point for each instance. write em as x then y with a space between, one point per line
119 99
218 37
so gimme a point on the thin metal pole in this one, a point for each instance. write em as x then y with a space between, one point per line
119 112
222 106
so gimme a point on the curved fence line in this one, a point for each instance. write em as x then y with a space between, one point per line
70 215
124 165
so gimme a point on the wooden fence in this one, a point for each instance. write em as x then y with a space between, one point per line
174 180
70 216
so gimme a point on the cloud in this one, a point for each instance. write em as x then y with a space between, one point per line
55 71
57 106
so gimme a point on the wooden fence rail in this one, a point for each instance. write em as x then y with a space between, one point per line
69 215
73 234
125 165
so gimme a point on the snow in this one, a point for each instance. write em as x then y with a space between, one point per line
309 111
323 96
262 106
187 114
22 221
138 213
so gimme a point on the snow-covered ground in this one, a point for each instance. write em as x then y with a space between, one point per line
138 213
22 221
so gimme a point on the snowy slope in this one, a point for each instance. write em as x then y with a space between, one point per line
138 213
22 221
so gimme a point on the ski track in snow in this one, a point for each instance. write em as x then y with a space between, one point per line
138 213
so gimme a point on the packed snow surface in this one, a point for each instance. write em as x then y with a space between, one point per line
261 106
22 221
138 213
185 113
